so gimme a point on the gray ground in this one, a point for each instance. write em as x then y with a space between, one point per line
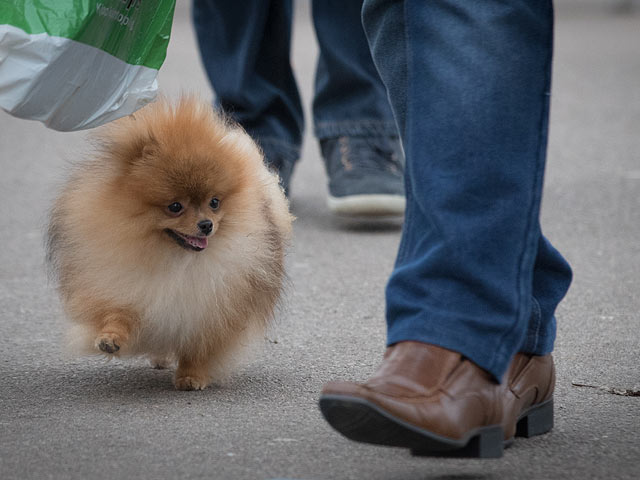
86 418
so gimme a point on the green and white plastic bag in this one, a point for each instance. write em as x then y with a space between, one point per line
75 64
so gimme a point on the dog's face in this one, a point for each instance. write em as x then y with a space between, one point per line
190 224
183 196
184 177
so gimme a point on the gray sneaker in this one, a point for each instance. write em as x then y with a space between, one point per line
366 175
284 169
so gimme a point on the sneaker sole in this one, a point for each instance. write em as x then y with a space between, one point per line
378 205
362 421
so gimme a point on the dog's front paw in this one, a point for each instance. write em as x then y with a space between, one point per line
108 343
188 382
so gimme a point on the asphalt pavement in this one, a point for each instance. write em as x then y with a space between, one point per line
63 417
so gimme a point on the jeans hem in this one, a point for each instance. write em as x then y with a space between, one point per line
275 148
544 346
355 128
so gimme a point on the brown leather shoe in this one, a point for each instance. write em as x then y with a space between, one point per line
436 402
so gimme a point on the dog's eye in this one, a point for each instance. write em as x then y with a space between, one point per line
215 203
175 207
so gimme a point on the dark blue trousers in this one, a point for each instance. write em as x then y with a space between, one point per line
469 83
245 47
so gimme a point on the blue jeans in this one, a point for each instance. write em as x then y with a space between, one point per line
469 83
245 48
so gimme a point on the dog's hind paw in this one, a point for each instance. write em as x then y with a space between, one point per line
160 363
191 383
107 343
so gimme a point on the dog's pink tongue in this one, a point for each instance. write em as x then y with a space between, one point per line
200 242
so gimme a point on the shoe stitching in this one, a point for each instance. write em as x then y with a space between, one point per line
343 143
490 412
431 397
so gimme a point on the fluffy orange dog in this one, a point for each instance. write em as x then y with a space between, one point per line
170 242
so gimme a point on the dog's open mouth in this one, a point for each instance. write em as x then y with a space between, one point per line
188 241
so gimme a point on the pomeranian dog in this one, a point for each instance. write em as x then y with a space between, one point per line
169 243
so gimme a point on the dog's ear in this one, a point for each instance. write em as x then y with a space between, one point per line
144 149
128 140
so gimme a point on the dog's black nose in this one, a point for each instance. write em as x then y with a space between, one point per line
205 226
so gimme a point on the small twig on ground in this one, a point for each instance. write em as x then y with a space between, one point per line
625 392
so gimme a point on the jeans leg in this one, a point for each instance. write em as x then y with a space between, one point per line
384 28
551 279
350 99
245 50
475 103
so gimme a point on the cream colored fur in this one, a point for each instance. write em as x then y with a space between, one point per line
122 278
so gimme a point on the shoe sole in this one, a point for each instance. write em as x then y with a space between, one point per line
362 421
378 205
